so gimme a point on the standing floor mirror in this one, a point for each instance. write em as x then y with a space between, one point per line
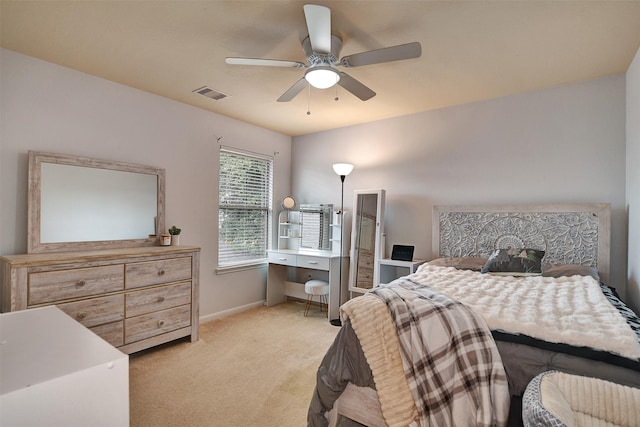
366 239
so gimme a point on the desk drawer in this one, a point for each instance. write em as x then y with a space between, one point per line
52 286
317 263
140 274
282 258
96 311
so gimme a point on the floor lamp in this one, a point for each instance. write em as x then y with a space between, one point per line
342 170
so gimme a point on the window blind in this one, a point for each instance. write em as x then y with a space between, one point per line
244 208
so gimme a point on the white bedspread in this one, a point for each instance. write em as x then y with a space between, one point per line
568 310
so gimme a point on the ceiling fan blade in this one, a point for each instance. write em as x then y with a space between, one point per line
387 54
293 90
264 62
319 26
355 87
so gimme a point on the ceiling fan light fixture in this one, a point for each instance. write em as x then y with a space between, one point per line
322 77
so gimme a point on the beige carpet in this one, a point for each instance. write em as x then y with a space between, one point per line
255 368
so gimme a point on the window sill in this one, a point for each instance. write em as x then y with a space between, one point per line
240 267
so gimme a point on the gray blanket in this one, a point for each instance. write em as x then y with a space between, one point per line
344 362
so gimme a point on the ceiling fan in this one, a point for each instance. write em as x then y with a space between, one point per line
322 49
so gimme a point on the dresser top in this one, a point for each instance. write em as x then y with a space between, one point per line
52 258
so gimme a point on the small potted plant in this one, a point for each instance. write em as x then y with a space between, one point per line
175 235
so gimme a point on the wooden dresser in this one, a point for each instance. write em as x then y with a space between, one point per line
133 298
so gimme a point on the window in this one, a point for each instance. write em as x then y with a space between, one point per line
244 215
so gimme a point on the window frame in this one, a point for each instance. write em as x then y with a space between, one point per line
227 263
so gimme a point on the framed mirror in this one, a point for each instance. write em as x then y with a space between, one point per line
79 203
315 223
366 239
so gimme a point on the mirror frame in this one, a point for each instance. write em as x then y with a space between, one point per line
377 239
36 158
326 211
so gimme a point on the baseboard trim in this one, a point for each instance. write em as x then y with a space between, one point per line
229 312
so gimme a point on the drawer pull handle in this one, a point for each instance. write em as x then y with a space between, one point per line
81 283
313 262
161 273
160 299
160 323
81 315
282 259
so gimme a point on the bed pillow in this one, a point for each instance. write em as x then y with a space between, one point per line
461 263
560 270
514 262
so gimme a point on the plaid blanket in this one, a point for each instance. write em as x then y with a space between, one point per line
376 333
451 364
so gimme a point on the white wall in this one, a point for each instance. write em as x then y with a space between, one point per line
633 182
50 108
564 144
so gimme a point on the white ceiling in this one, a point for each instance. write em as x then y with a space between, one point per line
471 50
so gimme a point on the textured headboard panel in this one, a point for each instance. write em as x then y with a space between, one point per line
569 234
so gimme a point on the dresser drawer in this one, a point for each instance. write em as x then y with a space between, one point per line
113 332
317 263
96 311
282 258
365 277
152 324
365 260
140 274
156 299
52 286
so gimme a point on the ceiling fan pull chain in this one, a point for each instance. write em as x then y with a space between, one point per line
308 99
336 98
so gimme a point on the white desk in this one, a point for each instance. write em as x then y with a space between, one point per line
56 372
290 269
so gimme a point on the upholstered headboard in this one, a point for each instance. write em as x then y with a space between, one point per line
569 234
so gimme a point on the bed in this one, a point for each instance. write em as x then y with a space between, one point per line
575 242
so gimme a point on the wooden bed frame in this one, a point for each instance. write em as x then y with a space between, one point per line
569 234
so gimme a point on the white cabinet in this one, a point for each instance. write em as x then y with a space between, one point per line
55 372
313 227
289 230
391 269
341 234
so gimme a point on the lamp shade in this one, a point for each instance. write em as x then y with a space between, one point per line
322 77
342 169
